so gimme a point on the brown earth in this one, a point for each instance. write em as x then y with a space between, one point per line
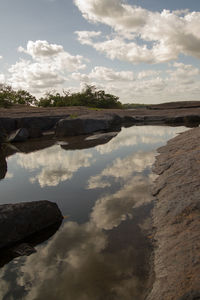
176 219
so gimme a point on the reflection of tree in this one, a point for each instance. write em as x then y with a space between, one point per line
3 165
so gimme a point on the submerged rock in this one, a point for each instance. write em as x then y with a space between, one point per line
19 221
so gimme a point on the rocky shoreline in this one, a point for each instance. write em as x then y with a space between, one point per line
35 122
176 218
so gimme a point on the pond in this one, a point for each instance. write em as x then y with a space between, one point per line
102 184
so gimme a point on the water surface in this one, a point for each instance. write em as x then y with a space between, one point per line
103 249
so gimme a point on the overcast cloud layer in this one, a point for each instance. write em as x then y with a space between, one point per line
135 53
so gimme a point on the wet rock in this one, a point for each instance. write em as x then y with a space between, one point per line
20 135
23 249
19 221
27 246
86 124
3 165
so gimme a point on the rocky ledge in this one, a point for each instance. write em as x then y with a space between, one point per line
18 125
176 219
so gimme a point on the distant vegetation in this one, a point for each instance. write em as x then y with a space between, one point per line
8 96
134 105
90 97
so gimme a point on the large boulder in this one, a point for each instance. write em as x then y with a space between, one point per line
86 124
20 135
42 123
19 221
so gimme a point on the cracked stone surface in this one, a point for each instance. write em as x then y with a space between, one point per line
176 218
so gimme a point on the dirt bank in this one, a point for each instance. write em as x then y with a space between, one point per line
176 219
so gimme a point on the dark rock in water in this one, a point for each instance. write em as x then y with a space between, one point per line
26 247
3 166
23 249
86 124
20 135
18 221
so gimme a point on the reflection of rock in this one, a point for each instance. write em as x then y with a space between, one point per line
27 246
85 124
18 221
80 142
3 165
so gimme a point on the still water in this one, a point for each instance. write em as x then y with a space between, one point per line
102 185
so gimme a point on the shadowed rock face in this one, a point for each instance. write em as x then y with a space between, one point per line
176 217
26 247
19 221
3 165
85 124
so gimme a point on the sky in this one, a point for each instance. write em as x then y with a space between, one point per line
143 51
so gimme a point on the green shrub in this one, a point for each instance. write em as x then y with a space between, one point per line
8 96
90 97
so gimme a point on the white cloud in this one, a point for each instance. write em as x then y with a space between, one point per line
148 73
106 74
34 76
2 78
1 57
39 49
85 37
164 35
49 68
178 82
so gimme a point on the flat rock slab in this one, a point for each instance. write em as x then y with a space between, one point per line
176 218
19 221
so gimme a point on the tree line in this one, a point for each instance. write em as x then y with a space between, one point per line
90 97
